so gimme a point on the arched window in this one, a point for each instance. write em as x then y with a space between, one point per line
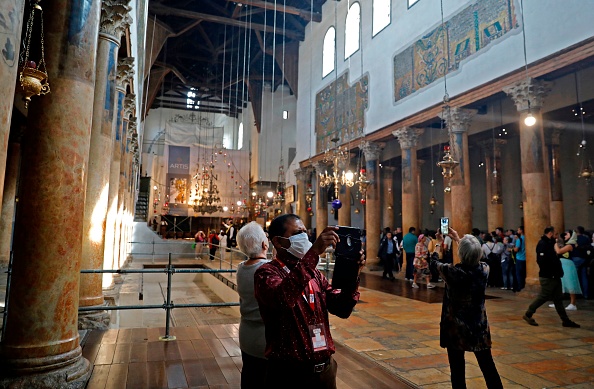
240 137
381 15
329 51
351 32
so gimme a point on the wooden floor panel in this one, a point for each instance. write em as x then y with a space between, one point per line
207 357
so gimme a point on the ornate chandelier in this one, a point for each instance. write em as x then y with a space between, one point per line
207 199
336 155
279 197
447 165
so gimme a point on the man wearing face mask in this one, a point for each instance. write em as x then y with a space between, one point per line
294 300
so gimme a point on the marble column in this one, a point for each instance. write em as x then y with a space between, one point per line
129 132
492 152
529 95
344 195
321 213
41 346
420 163
11 13
372 205
111 251
458 122
554 161
387 208
114 20
408 138
13 161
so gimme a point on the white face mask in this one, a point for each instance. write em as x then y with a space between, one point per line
300 245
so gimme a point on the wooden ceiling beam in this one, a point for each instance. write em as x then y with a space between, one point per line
302 13
169 11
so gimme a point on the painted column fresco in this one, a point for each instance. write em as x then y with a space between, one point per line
529 95
49 223
340 111
447 47
458 122
114 21
11 24
387 207
302 176
494 198
344 195
13 160
553 142
124 75
321 199
408 138
372 206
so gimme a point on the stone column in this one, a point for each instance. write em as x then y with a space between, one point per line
11 12
420 163
111 251
13 161
344 195
321 213
492 153
528 95
408 138
41 341
554 160
114 20
372 204
129 132
387 208
458 122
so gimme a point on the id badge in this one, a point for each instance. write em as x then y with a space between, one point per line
317 333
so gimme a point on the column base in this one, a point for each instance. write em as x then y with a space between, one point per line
95 320
530 291
71 376
117 279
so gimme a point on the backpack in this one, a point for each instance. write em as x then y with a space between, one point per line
215 240
492 257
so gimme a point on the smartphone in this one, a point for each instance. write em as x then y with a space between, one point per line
445 225
347 255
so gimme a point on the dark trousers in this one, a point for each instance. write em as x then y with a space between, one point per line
410 257
508 275
521 274
550 289
582 271
389 260
290 375
485 361
213 251
253 371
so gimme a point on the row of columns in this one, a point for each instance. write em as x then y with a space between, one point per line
75 171
540 177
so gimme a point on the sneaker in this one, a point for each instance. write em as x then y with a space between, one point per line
414 285
430 286
533 322
571 307
504 288
552 305
571 324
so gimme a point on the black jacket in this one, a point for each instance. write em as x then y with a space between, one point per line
547 259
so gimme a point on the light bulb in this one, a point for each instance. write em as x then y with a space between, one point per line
253 194
239 203
269 194
349 175
529 120
225 209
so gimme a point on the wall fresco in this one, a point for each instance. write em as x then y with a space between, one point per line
464 34
340 111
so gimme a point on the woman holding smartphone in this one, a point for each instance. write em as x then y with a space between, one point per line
464 325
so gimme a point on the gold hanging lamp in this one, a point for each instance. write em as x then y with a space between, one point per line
33 76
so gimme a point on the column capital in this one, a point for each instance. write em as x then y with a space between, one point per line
320 167
115 18
129 104
125 72
408 136
302 174
371 150
528 93
457 119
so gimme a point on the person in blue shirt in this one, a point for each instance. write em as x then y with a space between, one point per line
387 252
408 244
520 250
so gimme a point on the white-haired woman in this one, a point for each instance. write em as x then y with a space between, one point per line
464 325
252 241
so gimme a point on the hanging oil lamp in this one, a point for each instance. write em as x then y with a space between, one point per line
33 76
447 165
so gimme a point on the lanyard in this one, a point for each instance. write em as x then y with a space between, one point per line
312 299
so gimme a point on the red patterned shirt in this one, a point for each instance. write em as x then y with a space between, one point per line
287 313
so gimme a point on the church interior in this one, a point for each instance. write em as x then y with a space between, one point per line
159 119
